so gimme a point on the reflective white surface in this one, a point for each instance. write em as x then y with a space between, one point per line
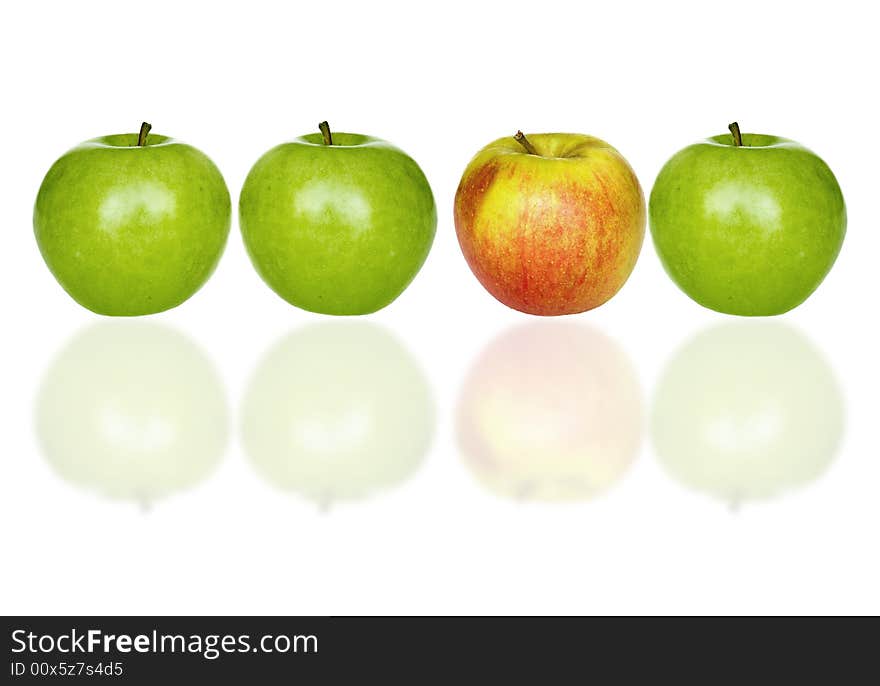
747 410
132 410
431 523
336 411
551 410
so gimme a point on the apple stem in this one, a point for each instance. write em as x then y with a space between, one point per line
325 131
520 138
142 136
737 136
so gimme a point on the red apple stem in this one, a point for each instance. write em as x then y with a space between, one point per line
520 138
142 136
325 131
737 136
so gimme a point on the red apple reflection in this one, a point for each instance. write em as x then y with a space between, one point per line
550 411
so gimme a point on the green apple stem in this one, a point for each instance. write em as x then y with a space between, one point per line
142 136
737 136
325 131
520 138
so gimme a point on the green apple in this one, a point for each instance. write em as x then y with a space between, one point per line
337 411
132 224
747 224
550 411
747 410
132 410
337 223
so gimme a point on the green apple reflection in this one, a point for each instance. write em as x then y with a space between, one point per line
132 410
337 411
747 410
550 411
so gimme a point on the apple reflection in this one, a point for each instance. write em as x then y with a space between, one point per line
337 411
132 410
550 411
747 410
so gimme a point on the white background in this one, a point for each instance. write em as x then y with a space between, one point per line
440 81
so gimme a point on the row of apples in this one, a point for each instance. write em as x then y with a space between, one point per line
550 224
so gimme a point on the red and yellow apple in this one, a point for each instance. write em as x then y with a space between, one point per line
550 223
